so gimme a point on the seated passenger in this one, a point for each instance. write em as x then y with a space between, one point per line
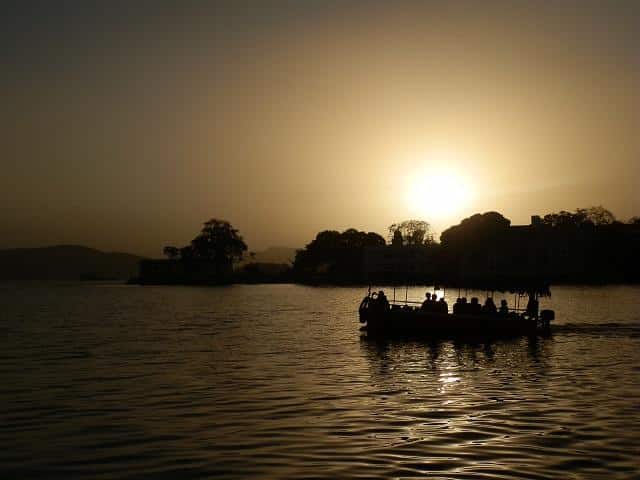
464 306
457 305
504 309
474 307
489 307
427 302
442 306
382 301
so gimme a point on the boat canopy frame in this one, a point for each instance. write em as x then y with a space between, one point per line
521 290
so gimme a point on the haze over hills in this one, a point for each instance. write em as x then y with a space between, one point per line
66 262
75 262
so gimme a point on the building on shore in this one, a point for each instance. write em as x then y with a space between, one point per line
514 254
397 264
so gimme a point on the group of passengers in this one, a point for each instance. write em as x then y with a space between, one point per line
474 308
380 301
433 305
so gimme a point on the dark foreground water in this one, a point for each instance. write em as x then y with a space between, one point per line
109 381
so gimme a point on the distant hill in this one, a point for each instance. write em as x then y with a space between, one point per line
66 262
274 255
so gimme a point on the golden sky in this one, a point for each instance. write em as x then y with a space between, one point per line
125 127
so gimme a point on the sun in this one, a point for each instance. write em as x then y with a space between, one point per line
438 195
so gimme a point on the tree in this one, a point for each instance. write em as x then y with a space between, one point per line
352 238
563 219
373 239
411 232
186 253
171 252
219 242
335 255
477 229
583 216
597 215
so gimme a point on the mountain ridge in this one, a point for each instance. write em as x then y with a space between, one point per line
66 262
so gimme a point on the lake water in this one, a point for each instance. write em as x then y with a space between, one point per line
276 381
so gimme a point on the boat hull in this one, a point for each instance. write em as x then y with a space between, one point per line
418 322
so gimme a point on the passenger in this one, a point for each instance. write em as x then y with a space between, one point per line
434 302
442 306
457 305
474 307
464 306
504 308
532 306
489 307
433 305
383 303
427 302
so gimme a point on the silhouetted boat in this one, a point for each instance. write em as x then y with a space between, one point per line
410 318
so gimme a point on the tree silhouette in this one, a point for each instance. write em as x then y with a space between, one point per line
582 217
219 242
412 232
186 253
171 252
597 215
477 229
563 219
334 255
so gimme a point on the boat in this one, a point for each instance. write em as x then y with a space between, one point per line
382 317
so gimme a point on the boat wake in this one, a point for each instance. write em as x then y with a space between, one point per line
598 329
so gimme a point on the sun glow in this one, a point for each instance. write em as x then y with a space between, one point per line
437 195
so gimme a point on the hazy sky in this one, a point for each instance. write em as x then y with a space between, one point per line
125 125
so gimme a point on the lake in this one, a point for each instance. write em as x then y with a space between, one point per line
277 381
